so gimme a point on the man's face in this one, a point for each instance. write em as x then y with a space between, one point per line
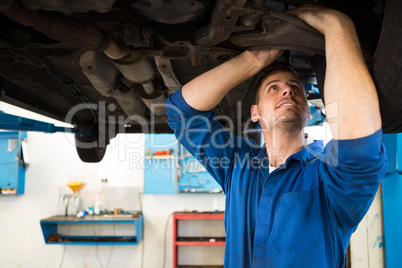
282 103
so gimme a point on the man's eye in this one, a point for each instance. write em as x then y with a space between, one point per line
295 87
273 88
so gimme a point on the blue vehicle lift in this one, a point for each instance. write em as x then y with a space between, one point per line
13 122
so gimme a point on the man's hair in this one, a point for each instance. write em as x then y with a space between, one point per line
260 77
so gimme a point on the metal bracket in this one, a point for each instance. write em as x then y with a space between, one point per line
223 23
281 31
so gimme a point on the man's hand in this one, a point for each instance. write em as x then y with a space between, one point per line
325 20
262 57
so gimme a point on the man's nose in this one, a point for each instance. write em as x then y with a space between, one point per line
287 90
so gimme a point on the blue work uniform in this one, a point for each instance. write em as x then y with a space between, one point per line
300 215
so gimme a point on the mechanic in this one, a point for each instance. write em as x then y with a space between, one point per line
289 203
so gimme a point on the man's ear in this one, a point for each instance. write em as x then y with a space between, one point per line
255 115
309 113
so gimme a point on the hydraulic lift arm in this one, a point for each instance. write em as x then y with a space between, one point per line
13 122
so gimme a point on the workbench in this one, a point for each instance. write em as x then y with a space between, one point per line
106 229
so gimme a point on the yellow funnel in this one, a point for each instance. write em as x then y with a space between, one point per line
76 186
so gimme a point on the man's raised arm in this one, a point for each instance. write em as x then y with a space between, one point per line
207 90
350 95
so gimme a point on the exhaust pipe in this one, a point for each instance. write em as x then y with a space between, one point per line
102 74
139 70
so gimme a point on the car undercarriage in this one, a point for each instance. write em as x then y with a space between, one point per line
107 67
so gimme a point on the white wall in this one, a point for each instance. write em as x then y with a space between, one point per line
54 162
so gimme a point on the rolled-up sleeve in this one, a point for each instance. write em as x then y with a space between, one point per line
204 137
351 171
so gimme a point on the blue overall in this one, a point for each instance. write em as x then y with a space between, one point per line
300 215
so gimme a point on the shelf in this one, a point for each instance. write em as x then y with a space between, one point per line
95 240
199 266
202 240
195 241
51 231
106 218
201 215
160 157
200 191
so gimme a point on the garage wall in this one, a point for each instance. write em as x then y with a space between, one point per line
54 162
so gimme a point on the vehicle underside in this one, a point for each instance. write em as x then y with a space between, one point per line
107 67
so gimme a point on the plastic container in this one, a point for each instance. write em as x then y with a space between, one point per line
96 208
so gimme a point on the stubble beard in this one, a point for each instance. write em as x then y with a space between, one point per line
285 124
291 124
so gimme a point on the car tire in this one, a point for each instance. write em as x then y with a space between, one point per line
387 68
88 148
